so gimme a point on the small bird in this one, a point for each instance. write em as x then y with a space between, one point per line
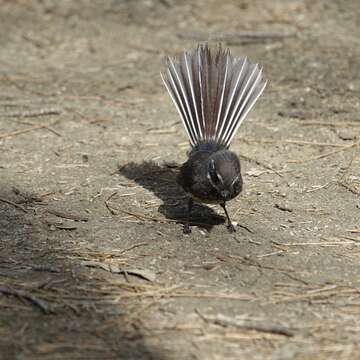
213 92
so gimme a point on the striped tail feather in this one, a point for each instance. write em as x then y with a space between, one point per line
213 92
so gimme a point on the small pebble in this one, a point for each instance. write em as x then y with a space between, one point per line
346 135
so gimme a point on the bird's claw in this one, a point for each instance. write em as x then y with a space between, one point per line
187 229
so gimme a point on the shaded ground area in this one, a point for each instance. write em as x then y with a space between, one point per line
93 261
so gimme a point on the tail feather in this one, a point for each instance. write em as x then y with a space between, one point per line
213 92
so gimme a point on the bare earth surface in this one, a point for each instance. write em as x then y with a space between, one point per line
93 261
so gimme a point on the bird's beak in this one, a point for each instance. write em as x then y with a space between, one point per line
225 194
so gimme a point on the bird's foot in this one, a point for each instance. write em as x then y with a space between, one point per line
231 228
187 229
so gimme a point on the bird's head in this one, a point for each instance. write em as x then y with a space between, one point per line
223 174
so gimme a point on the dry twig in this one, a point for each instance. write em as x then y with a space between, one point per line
42 305
247 324
23 131
344 148
65 215
13 204
35 113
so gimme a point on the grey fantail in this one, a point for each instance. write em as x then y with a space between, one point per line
213 92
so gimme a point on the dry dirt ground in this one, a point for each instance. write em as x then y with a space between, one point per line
93 261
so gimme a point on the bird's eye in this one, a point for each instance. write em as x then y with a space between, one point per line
236 185
215 177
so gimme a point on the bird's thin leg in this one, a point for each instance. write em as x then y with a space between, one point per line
230 225
187 228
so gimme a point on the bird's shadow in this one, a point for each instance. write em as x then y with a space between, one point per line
161 180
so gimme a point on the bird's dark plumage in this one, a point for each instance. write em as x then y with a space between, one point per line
213 92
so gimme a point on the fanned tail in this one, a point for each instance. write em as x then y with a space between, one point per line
213 92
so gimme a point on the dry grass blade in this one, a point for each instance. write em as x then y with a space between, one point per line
239 336
133 247
329 124
289 272
266 166
13 204
23 131
42 305
292 141
116 269
322 156
356 231
248 324
318 243
323 294
66 215
35 113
